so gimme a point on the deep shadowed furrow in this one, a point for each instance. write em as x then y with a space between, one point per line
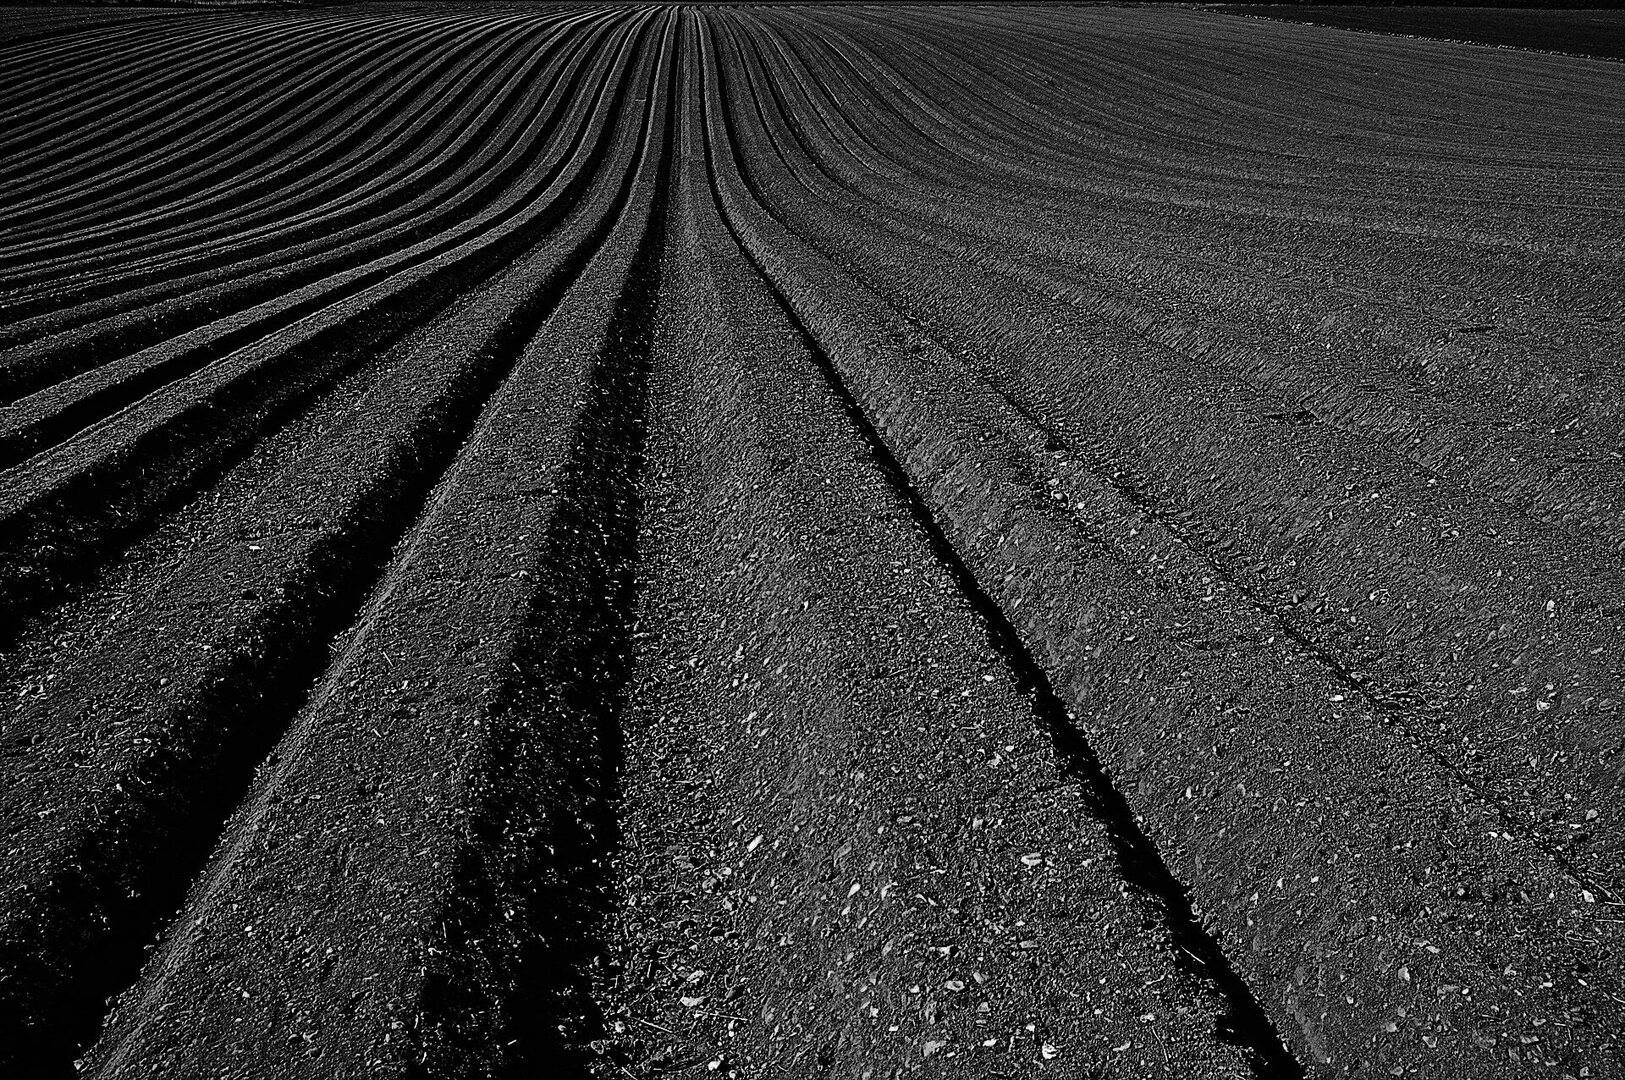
275 175
303 205
1474 723
316 298
487 759
1141 864
1352 389
1393 699
211 714
1245 1024
838 540
1031 587
79 501
785 834
298 251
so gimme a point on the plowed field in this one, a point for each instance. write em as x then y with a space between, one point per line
791 541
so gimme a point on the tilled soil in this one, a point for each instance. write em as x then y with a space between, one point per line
804 541
1582 31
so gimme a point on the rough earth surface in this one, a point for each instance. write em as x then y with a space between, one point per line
795 541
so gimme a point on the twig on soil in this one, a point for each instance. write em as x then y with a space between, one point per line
657 1027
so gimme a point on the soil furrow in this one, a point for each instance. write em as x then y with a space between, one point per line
419 76
120 862
294 215
1520 474
1141 864
766 680
1144 438
1383 701
459 932
327 297
808 540
1079 615
67 507
71 340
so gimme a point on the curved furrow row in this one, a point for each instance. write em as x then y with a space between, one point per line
336 487
846 540
1574 654
1106 107
453 744
1284 130
446 184
292 174
847 328
520 196
147 128
1090 837
134 219
1525 474
1441 443
33 92
1367 870
1514 469
1068 184
36 99
40 27
1154 81
169 123
200 398
1237 65
1552 472
1107 147
1485 732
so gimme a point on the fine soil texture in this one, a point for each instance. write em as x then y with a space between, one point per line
861 542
